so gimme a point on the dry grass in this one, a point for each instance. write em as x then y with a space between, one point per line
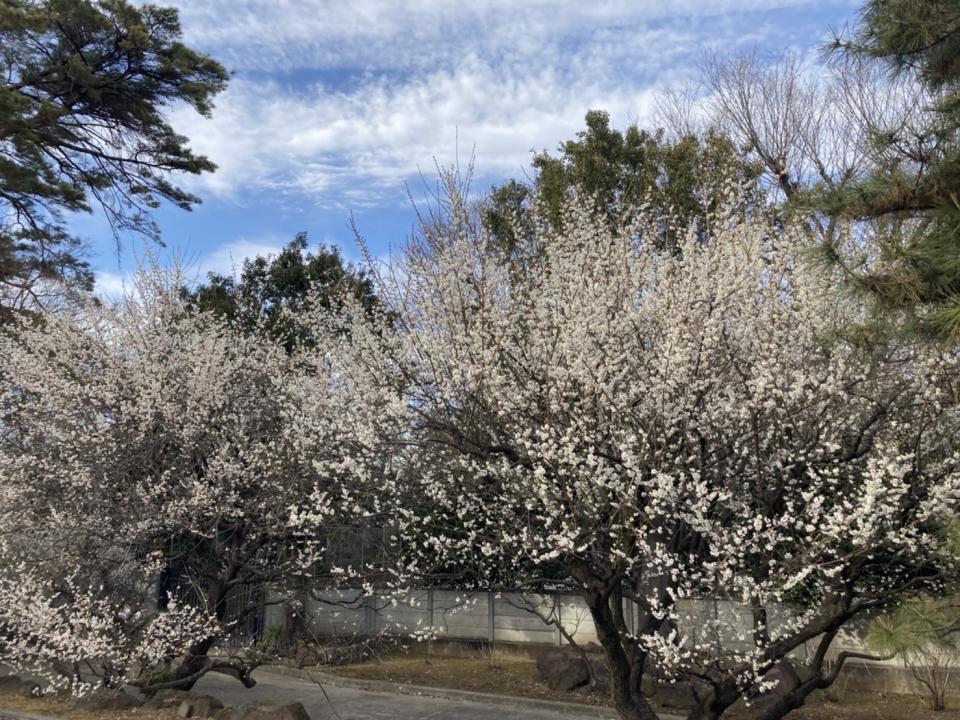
510 676
503 676
66 708
875 706
518 676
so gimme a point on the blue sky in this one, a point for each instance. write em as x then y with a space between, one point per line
338 107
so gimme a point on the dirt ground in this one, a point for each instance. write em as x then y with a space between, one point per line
518 676
66 708
867 706
506 676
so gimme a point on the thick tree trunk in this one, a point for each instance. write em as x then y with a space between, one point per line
625 676
713 699
195 661
793 699
797 697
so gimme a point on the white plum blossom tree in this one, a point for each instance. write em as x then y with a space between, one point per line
154 463
658 426
651 426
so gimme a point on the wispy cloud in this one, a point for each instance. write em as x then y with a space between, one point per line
342 148
384 35
342 102
226 259
111 284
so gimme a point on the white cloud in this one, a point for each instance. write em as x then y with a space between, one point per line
370 140
342 102
110 284
373 35
226 259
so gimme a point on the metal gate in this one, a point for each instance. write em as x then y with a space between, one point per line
244 614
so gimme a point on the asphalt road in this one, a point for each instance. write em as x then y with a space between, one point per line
338 703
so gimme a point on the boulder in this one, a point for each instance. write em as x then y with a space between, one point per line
787 676
199 706
183 701
9 684
679 694
12 685
108 701
264 711
562 669
601 676
166 699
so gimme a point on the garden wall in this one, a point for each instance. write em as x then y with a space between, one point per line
522 619
528 622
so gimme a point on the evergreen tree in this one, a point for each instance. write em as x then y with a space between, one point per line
271 291
911 195
683 177
85 84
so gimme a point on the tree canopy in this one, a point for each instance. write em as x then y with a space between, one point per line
198 451
273 293
622 380
915 187
661 423
85 86
684 176
866 142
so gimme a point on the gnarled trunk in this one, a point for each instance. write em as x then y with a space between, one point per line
196 661
626 666
712 698
195 665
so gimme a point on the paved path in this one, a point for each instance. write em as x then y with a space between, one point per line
349 704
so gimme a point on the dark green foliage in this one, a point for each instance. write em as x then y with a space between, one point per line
272 291
912 35
85 85
683 177
506 218
912 193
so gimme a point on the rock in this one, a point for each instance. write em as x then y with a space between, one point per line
562 669
673 695
183 701
263 711
200 706
601 676
166 699
108 701
292 711
12 685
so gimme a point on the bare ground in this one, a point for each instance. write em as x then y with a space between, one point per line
518 676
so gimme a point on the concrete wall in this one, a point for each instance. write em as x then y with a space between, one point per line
527 622
522 619
481 616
